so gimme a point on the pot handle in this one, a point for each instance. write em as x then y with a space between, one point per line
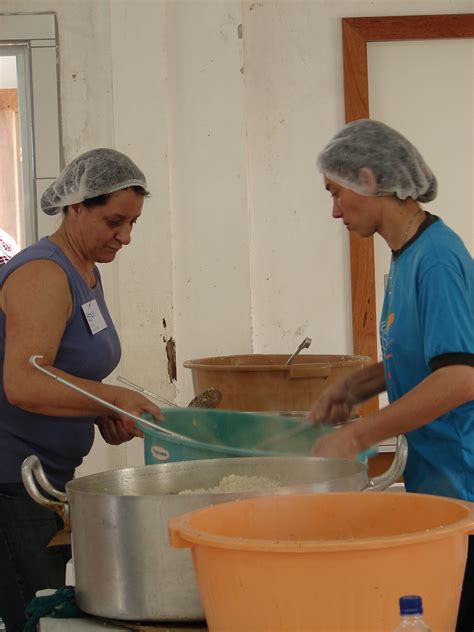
32 469
308 370
379 483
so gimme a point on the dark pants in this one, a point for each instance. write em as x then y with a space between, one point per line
466 609
26 564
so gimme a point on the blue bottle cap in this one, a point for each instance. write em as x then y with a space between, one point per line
411 604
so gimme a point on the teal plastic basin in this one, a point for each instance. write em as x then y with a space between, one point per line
216 433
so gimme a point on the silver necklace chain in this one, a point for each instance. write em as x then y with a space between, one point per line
394 261
409 225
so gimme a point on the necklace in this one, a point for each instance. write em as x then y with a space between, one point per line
409 225
393 263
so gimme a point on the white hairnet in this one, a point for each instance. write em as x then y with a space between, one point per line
397 165
97 172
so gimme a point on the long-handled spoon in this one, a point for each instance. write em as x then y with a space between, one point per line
304 345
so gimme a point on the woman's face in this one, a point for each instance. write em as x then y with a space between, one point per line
358 212
105 229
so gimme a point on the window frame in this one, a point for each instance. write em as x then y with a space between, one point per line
356 34
33 39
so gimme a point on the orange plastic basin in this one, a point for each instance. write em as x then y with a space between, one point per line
331 562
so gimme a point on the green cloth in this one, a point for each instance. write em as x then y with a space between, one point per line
60 605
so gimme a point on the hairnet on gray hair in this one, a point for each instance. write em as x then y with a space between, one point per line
97 172
397 165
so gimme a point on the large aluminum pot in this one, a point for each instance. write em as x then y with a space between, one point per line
124 567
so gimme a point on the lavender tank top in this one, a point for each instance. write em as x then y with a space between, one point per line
60 442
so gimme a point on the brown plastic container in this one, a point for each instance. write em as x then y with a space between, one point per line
264 382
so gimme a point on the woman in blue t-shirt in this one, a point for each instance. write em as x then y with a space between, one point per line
377 180
52 304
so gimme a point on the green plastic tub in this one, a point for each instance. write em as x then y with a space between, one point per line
215 433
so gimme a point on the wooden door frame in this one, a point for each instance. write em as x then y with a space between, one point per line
356 33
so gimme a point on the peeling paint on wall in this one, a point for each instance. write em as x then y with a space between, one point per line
301 329
171 356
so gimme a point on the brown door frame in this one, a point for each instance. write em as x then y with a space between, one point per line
356 33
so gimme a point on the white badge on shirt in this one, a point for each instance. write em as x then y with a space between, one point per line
94 318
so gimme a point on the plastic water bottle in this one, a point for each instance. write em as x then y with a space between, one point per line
411 613
3 627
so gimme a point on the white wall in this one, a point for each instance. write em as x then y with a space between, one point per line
208 182
236 249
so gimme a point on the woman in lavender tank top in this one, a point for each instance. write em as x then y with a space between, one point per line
52 304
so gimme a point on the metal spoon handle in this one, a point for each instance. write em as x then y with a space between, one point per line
304 345
145 391
145 422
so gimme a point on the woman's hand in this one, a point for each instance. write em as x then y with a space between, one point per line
340 444
333 406
135 403
337 400
115 430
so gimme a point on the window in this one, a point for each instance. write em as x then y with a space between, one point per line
29 121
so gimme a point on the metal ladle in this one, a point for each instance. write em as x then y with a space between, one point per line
207 399
304 345
116 409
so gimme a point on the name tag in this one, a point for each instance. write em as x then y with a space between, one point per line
94 318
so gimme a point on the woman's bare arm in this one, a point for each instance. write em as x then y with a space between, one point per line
336 402
37 302
442 391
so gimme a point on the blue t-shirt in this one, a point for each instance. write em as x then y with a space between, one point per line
59 442
428 322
